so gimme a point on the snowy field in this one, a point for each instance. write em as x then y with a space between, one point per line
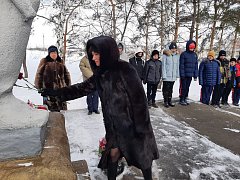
85 131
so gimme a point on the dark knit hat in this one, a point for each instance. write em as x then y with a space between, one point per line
222 53
173 45
233 59
52 49
155 52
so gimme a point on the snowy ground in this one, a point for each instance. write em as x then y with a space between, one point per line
85 131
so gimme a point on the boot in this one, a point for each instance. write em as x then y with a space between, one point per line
165 103
154 105
149 104
182 102
170 102
112 170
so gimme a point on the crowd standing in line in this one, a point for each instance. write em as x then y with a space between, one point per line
92 98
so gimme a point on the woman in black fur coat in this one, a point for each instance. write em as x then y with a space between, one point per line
128 128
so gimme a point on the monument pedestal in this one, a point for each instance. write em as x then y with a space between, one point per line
51 164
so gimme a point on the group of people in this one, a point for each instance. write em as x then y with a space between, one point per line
125 106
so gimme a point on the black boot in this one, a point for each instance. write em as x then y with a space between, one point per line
166 103
147 174
170 102
112 170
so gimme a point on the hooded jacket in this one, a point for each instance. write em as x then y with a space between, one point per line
124 104
170 66
123 55
138 63
188 66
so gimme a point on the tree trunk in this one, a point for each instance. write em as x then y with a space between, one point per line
221 36
176 21
126 20
235 39
162 25
197 24
25 66
214 25
113 4
193 19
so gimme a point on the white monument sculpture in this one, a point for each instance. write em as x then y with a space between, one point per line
16 18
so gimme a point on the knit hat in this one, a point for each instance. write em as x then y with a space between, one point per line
52 49
222 53
154 52
233 59
192 45
211 53
173 45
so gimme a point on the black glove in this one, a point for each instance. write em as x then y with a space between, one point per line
49 92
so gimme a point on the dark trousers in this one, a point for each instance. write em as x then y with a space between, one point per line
236 95
217 93
92 101
226 91
167 89
184 87
206 92
151 92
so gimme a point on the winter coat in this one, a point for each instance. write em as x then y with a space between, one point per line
224 69
170 66
124 105
123 55
233 71
137 63
237 70
152 71
52 75
209 73
188 66
85 68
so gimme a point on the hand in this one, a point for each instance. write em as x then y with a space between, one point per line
49 92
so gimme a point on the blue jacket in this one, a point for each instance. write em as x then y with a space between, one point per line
170 66
188 66
209 73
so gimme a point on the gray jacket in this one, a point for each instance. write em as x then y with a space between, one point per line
152 71
170 66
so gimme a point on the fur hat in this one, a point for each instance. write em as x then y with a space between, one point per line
173 45
211 53
52 49
154 52
222 53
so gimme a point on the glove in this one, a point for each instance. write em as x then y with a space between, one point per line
49 92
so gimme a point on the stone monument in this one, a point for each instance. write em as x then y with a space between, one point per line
16 18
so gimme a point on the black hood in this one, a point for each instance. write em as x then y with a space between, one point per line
109 53
188 43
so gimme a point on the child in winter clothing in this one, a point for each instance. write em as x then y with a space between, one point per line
137 62
170 72
209 76
233 81
188 68
151 75
220 89
236 94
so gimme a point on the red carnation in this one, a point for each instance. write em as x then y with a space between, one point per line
20 76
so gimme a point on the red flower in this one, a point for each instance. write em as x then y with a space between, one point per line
20 76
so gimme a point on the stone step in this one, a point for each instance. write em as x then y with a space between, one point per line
81 169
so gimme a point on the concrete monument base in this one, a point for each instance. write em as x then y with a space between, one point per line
52 163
